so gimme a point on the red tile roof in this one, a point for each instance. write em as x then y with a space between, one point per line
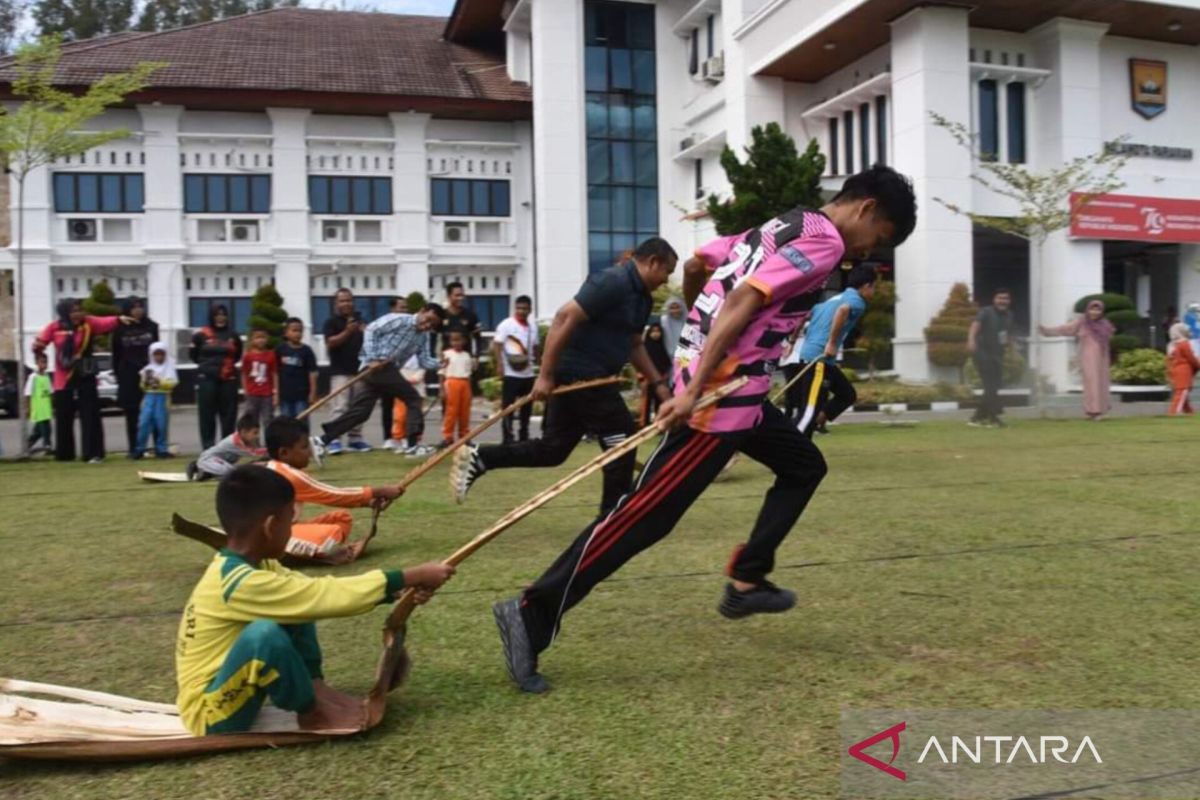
303 51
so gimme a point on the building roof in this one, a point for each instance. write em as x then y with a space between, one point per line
386 61
476 22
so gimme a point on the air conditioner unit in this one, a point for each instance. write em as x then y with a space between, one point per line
713 69
245 233
81 230
456 233
688 142
335 233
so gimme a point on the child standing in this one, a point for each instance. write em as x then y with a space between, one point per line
297 371
38 395
291 451
220 459
457 365
158 379
248 633
1182 366
260 378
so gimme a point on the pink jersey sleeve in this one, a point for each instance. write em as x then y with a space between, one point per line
798 267
102 325
46 336
716 252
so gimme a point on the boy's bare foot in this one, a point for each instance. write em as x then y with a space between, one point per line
333 711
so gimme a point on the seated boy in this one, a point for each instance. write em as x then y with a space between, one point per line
248 632
290 449
220 459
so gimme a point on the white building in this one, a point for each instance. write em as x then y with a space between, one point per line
606 120
314 149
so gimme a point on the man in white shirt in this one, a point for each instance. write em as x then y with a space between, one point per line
514 349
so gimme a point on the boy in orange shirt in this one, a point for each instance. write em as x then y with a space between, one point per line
457 365
290 451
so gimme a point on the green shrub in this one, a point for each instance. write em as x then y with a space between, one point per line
878 325
1112 302
101 302
1123 343
267 313
878 392
415 302
1140 367
946 336
491 388
1123 318
851 374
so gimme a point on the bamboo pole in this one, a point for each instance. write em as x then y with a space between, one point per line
344 387
783 389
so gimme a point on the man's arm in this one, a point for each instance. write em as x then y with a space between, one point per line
497 356
566 320
971 334
835 332
739 308
337 340
695 275
642 363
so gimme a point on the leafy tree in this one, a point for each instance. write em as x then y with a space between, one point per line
267 313
946 336
158 15
82 19
12 12
773 179
415 301
47 125
1042 198
878 325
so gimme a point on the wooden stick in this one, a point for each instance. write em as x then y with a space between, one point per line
344 387
404 606
783 390
446 452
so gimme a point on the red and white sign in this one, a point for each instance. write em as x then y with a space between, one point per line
1142 219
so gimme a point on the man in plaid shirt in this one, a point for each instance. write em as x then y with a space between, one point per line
392 340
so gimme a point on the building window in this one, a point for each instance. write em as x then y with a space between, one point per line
239 311
694 52
622 135
881 132
699 179
848 139
220 194
98 193
469 198
834 146
864 134
328 195
1016 122
491 309
709 25
989 123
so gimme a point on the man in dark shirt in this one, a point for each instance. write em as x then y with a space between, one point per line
343 340
461 319
592 336
986 342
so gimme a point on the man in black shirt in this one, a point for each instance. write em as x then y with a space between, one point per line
343 340
986 342
592 336
461 319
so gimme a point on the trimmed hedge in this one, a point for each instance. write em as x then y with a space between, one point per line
1140 367
1112 302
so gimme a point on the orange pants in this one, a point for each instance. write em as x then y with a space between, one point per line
325 531
399 421
458 408
1180 404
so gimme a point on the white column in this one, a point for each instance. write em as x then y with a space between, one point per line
560 151
163 220
1067 108
522 214
289 208
749 100
34 286
410 203
930 73
165 294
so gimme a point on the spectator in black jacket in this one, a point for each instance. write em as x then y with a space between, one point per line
216 349
130 353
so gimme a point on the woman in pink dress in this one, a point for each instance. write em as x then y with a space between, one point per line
1092 331
73 336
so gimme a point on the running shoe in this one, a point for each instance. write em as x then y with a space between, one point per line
467 468
393 444
418 451
766 598
335 447
318 450
519 658
359 446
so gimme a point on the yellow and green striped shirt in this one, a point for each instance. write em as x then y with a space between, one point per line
235 592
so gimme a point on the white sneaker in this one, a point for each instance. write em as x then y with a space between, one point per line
318 450
393 444
418 451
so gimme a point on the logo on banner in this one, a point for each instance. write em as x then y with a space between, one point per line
1148 86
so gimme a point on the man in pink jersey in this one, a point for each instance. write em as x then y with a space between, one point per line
747 294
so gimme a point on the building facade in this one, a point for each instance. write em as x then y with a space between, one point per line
521 144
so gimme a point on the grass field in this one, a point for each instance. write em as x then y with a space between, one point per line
1050 565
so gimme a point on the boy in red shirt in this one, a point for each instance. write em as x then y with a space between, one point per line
260 378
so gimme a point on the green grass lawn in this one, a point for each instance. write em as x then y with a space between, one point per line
1050 565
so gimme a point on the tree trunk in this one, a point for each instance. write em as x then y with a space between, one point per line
19 300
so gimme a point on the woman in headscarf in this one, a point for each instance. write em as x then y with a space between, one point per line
1182 366
216 349
73 335
1093 332
673 317
130 345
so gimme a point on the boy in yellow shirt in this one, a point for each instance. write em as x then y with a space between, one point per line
248 631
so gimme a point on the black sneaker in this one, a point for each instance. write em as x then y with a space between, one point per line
766 598
519 657
467 468
191 470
